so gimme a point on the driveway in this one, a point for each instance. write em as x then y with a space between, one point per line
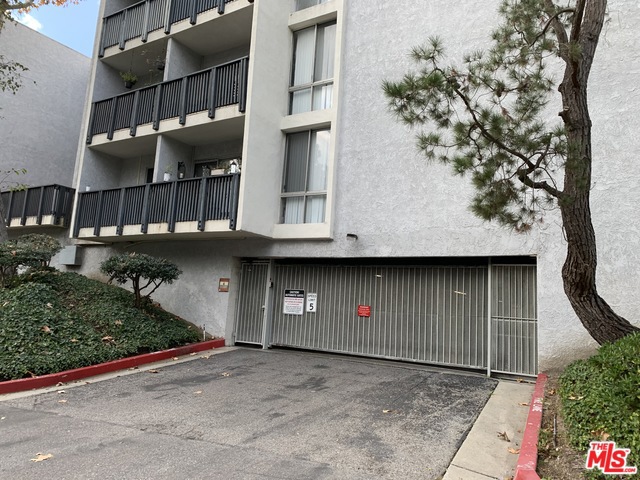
247 414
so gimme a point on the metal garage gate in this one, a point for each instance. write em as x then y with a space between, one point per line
428 314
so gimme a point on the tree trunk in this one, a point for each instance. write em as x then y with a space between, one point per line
579 274
579 270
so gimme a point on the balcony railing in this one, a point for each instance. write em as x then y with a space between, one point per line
138 20
194 199
206 90
47 205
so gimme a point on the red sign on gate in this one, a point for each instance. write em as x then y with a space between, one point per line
364 310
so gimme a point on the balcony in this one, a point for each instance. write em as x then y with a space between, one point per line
207 204
138 20
38 206
203 91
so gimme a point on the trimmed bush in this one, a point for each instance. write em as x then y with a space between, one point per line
137 267
601 398
32 251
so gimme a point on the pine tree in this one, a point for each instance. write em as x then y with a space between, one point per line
487 119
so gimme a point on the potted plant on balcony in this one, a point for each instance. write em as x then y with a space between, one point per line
129 78
167 173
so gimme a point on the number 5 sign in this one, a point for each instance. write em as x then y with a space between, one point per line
312 302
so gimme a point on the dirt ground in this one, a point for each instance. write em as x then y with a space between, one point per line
557 460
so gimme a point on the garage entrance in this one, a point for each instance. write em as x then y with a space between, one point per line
473 316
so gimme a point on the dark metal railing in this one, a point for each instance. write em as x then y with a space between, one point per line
193 199
149 15
49 200
206 90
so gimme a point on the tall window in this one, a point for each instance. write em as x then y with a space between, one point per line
304 193
312 76
302 4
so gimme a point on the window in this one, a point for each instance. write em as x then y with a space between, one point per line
304 192
302 4
312 76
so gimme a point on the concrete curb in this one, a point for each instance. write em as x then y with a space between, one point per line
23 384
528 458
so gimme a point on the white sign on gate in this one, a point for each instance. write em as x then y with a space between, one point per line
312 302
293 302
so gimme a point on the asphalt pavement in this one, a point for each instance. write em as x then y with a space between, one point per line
246 414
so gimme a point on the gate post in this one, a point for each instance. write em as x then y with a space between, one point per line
267 318
489 314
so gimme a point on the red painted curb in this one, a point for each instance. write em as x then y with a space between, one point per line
23 384
528 458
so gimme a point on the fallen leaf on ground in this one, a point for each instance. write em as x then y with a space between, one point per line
107 338
74 340
133 368
118 322
389 411
193 354
153 371
174 358
61 392
524 404
198 392
226 374
59 384
46 329
503 436
602 435
49 305
206 357
515 451
552 391
62 401
519 380
40 457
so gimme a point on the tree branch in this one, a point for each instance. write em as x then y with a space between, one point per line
559 30
486 133
524 178
549 22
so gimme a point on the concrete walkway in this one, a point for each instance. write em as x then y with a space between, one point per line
485 454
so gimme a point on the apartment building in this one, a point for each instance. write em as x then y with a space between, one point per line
39 130
256 151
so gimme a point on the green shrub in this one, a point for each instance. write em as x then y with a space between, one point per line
54 321
139 266
601 397
32 251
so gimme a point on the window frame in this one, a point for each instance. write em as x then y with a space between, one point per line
314 84
306 193
297 7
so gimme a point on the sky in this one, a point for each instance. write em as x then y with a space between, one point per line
73 26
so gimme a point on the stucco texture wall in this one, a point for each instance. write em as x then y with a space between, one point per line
40 124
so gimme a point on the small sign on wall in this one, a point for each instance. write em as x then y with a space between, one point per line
364 310
223 285
312 302
293 302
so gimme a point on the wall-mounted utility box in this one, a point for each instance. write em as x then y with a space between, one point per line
70 255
